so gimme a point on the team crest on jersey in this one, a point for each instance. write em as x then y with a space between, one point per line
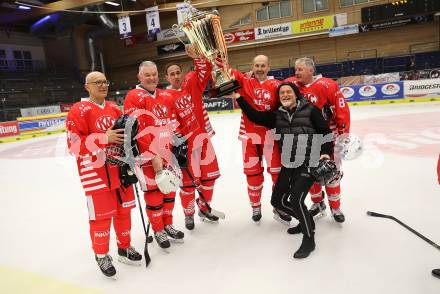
311 97
105 122
160 111
262 98
184 102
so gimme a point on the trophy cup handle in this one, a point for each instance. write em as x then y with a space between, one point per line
175 29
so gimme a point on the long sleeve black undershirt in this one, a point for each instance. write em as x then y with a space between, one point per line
268 120
264 118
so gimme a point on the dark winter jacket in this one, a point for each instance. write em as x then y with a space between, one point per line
303 133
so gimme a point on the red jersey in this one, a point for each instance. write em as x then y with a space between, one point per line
86 125
157 119
193 86
324 92
261 96
160 116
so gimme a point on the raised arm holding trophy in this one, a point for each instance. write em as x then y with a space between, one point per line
204 32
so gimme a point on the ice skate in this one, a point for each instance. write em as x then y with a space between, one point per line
281 217
162 240
189 222
317 210
106 266
129 256
337 214
174 235
208 217
256 214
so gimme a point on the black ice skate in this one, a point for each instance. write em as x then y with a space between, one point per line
189 222
338 215
208 217
106 266
129 256
205 207
256 214
317 210
294 230
307 246
281 217
162 239
175 235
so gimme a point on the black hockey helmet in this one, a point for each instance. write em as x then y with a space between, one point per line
127 123
325 172
116 154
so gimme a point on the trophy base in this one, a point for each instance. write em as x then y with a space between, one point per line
224 89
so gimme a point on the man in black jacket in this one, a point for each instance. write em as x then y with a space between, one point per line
304 140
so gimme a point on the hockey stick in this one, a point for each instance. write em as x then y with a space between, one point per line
217 213
148 239
375 214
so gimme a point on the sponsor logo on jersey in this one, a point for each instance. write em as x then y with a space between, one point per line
157 214
184 102
166 93
129 203
367 91
101 234
103 123
390 89
125 233
83 108
347 92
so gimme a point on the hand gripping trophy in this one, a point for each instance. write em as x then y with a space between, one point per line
204 32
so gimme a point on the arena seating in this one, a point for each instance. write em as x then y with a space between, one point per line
35 89
425 60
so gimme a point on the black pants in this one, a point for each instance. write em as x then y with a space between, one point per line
289 193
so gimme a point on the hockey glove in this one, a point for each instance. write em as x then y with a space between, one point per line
167 181
128 177
180 150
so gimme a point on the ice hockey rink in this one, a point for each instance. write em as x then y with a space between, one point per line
46 246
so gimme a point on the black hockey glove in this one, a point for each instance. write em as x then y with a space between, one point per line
180 150
128 177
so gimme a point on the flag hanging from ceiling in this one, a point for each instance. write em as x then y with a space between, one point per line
124 26
183 9
153 23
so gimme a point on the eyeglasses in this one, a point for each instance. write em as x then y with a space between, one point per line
100 83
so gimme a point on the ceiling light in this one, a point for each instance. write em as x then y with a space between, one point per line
23 7
112 3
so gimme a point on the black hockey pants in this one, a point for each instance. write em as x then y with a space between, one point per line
289 193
